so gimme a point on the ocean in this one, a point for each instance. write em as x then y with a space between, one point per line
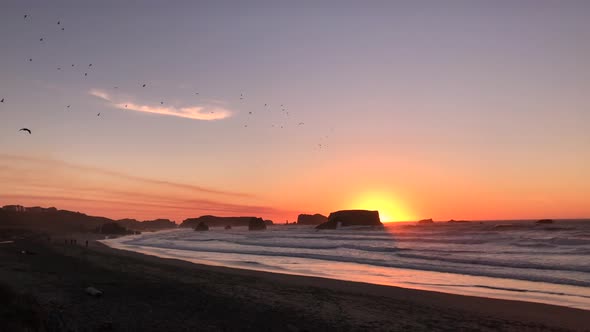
517 260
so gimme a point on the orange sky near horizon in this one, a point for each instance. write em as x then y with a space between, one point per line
30 181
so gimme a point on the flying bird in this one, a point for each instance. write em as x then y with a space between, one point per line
143 86
98 114
30 59
40 39
68 106
90 65
72 65
62 29
1 101
25 17
58 22
58 68
85 74
25 129
161 103
300 123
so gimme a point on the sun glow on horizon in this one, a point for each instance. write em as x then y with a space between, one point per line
390 209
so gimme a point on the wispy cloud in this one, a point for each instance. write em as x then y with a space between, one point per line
29 180
52 163
195 112
100 94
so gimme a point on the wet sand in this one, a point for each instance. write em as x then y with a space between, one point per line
43 290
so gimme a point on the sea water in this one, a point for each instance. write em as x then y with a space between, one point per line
518 260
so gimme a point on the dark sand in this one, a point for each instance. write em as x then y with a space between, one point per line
44 291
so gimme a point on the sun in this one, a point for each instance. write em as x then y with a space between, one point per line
390 209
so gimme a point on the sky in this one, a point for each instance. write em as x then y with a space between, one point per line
420 109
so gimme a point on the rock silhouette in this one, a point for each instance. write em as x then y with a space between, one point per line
347 218
214 221
256 224
202 226
309 219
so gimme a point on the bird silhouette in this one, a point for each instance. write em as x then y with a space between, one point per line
40 39
85 74
68 106
161 103
25 16
62 29
25 129
1 101
72 65
98 114
30 59
300 123
58 22
90 65
58 68
143 86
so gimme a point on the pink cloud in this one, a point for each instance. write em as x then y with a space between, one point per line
196 112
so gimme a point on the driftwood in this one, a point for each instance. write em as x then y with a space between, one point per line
93 292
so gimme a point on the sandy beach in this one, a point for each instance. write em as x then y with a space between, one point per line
43 290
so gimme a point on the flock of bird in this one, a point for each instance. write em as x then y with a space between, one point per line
283 109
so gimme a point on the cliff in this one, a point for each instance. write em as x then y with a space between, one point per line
147 225
213 221
49 219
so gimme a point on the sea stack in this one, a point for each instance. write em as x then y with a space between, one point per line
347 218
213 221
426 221
256 224
202 226
308 219
544 221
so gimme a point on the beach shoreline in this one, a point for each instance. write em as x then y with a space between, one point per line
385 258
144 292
